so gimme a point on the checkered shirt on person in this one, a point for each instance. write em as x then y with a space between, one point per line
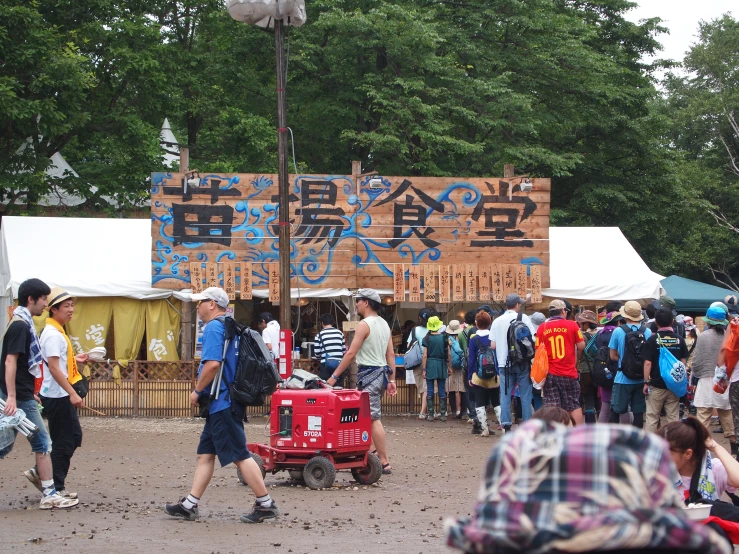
548 488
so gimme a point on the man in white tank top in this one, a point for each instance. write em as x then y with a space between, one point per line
372 348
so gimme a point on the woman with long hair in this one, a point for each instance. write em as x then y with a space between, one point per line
706 469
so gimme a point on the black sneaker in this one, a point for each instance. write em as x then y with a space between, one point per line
178 510
259 514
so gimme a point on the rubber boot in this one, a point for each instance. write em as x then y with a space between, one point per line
734 449
442 409
482 415
430 407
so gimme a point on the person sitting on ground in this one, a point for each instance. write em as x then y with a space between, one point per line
554 414
552 489
436 364
706 470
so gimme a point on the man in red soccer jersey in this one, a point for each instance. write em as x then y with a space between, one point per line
564 344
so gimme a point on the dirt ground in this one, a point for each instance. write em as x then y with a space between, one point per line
128 469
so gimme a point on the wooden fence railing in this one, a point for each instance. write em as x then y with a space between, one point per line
162 389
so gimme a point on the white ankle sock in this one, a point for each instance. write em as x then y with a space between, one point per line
190 502
264 501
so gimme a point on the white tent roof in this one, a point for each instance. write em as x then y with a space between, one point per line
169 143
616 273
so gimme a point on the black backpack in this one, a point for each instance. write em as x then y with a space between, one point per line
632 364
603 369
520 342
256 374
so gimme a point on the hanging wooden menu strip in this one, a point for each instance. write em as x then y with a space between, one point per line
471 272
414 283
444 284
498 291
522 281
509 280
399 283
274 282
429 283
245 290
196 277
458 282
484 277
211 274
536 295
229 279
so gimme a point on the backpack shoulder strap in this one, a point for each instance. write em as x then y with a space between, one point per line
520 316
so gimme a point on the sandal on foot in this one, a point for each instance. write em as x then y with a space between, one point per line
386 469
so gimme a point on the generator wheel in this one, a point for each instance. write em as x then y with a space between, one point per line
296 474
371 473
319 473
260 462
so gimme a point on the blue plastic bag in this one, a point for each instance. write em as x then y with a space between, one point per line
673 373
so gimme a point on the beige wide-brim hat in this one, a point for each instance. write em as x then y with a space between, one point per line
632 311
454 327
57 296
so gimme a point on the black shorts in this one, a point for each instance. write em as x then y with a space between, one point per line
224 436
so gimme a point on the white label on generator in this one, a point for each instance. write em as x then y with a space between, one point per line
314 423
329 445
282 348
283 367
287 402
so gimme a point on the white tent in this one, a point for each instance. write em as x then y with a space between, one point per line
615 272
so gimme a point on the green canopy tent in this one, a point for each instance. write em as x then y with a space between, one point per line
693 296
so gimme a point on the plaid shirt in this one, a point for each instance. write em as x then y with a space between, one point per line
590 488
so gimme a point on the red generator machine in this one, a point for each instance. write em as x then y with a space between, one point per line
314 433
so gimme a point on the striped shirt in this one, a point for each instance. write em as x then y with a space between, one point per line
331 341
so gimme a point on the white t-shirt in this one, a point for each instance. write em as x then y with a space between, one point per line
53 344
499 334
720 477
271 336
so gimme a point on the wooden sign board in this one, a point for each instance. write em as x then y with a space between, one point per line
509 279
399 283
471 271
444 284
414 283
196 277
458 283
349 326
536 295
429 283
484 282
449 220
498 291
521 281
245 285
229 279
211 274
274 282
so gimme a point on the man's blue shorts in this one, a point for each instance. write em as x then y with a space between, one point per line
224 436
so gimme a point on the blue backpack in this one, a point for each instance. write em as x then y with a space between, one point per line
672 371
457 354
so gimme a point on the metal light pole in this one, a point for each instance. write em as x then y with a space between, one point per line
265 14
282 181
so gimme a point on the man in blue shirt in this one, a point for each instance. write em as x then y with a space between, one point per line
627 392
223 434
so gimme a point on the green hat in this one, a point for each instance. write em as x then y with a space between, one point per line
434 324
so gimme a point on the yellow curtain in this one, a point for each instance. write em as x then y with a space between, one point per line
162 331
90 324
129 323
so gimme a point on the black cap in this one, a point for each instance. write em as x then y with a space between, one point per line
485 308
